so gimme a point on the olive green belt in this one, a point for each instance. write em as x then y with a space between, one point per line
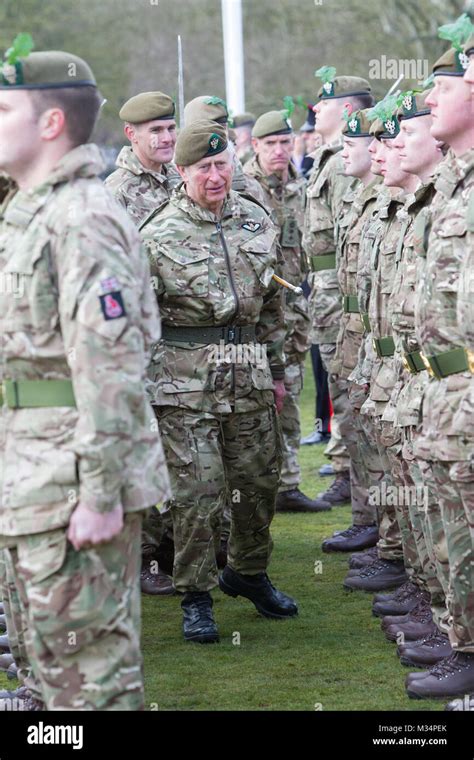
449 362
384 346
22 394
413 362
328 261
233 334
350 305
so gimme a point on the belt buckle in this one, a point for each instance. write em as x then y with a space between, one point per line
428 366
470 360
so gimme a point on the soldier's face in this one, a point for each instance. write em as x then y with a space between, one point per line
452 109
154 141
20 132
329 116
274 152
208 182
376 149
469 75
417 148
392 173
356 157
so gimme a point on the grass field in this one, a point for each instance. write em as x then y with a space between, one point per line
333 656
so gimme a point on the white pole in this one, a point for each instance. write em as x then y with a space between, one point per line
233 54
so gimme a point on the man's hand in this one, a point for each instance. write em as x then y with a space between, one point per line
280 393
89 528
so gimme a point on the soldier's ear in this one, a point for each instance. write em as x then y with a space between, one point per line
350 108
182 172
129 131
255 144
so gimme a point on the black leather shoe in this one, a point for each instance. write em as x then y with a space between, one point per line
198 621
267 599
296 501
315 437
4 644
354 538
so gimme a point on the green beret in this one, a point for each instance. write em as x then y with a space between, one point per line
357 124
206 107
198 140
45 70
469 47
452 63
413 104
246 119
386 112
147 106
272 123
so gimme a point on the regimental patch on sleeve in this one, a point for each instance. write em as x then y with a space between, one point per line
251 226
112 305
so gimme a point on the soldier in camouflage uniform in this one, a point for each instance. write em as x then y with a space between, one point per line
284 194
326 188
145 178
81 453
446 441
363 532
388 570
145 175
216 375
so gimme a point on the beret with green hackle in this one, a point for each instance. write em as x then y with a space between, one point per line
200 139
206 107
357 123
340 86
50 69
454 61
469 46
412 104
272 123
147 106
386 112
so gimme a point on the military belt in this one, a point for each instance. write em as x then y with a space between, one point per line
365 320
384 346
413 362
233 334
449 362
328 261
350 304
23 394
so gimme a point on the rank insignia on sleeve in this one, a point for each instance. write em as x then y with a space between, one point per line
251 226
109 285
112 305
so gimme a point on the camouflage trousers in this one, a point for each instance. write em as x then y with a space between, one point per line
16 625
336 450
82 614
212 459
428 530
454 482
290 427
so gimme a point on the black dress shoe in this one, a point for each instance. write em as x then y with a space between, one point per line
198 621
354 538
267 599
315 437
296 501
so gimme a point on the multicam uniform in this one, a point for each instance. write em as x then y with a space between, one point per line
213 280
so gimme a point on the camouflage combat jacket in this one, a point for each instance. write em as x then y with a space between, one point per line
324 194
210 272
438 329
139 190
286 202
76 306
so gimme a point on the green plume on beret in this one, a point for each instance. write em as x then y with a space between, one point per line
289 106
213 100
22 46
428 83
346 115
301 103
384 109
326 74
458 32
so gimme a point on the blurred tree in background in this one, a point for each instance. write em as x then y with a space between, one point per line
131 44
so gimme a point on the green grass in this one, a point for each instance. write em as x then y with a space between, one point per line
333 654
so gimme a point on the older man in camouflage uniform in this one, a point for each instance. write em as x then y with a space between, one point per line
363 532
324 206
145 178
145 175
216 373
446 442
284 194
81 457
